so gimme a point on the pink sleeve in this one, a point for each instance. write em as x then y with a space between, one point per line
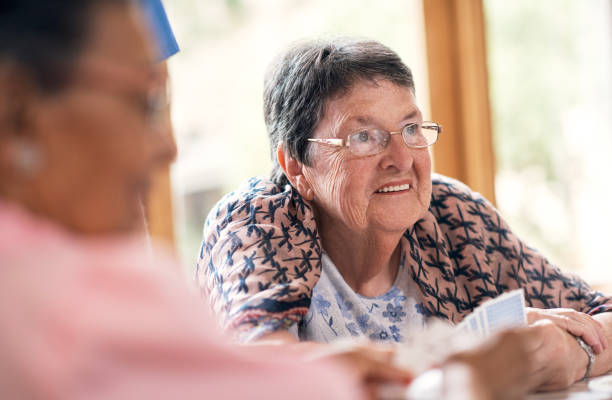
93 325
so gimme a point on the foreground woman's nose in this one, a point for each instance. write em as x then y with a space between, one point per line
166 149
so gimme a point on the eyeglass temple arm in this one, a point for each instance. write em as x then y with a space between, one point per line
330 141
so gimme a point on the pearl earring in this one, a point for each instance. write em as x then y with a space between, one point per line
26 158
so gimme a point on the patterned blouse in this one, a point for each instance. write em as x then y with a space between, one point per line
336 311
261 257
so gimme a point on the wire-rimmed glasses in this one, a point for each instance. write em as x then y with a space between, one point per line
367 142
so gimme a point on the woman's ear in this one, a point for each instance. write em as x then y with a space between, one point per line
19 153
294 171
19 98
12 96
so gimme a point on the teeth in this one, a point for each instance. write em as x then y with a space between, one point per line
394 188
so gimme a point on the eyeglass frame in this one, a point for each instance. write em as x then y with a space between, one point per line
113 79
338 142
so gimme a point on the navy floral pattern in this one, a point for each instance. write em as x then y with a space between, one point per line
348 314
394 313
261 258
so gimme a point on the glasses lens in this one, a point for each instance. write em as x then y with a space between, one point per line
368 141
420 135
157 101
430 132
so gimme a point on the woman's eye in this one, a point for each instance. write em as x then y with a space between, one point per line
411 129
363 136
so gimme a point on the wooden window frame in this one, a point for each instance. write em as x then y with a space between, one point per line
459 100
459 92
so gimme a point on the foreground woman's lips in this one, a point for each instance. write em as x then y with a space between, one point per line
394 187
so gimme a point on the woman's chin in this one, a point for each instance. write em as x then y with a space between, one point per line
392 225
394 219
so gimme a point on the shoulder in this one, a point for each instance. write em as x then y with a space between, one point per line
454 205
259 188
260 258
259 201
446 187
452 195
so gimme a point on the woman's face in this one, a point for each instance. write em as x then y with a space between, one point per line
347 188
97 144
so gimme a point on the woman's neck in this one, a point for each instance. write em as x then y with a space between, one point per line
368 261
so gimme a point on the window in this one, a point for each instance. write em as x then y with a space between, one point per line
551 95
217 83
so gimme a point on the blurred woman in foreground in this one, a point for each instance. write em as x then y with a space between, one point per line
84 312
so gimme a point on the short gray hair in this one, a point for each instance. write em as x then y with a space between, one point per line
303 78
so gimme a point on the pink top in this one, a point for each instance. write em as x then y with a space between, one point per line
98 318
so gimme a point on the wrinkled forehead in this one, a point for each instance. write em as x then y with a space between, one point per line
365 100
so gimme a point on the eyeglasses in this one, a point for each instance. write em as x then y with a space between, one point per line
141 87
368 142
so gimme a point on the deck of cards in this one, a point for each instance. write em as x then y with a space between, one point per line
503 312
422 348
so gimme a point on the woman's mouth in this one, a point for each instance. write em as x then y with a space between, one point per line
394 188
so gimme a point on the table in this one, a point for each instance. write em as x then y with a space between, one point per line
578 391
428 386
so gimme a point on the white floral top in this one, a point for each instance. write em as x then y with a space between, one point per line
336 311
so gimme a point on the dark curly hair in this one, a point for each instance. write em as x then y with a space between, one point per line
43 38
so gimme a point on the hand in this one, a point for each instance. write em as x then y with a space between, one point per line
371 362
575 322
558 359
498 369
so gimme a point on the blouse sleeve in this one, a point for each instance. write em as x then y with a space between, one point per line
260 259
110 323
499 254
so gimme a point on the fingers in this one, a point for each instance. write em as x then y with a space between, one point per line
377 364
585 326
597 326
512 349
596 337
578 328
378 371
574 322
554 357
372 362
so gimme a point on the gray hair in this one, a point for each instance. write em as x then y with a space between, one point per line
305 77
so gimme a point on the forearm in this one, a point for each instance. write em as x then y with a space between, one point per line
372 363
292 345
309 350
603 361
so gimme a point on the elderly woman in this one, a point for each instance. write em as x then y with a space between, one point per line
85 310
353 236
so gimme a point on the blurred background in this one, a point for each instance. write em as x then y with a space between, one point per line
547 104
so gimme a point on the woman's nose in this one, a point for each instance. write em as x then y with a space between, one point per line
164 147
397 154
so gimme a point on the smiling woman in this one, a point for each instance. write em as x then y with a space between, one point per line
352 235
349 203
